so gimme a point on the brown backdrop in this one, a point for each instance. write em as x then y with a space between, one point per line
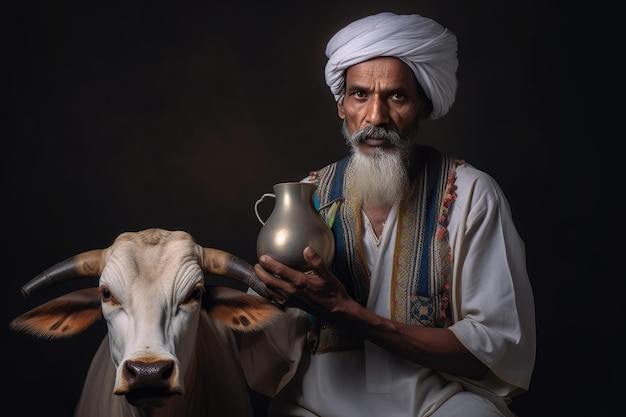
124 117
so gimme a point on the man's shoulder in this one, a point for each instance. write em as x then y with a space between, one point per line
468 177
330 167
469 171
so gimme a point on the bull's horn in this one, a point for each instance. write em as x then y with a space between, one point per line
86 264
218 262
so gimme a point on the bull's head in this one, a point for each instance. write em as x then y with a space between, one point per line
150 294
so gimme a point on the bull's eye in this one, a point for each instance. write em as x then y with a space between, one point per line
196 294
107 297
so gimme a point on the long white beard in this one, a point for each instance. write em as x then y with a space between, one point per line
381 178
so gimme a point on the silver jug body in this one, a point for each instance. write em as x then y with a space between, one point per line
294 224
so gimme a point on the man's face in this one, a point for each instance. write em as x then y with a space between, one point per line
381 92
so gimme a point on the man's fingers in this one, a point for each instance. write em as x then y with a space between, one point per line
313 259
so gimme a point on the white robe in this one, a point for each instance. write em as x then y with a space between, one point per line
493 314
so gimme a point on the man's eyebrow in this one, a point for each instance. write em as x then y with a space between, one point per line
356 87
400 89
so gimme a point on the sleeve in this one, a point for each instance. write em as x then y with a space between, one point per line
493 303
270 357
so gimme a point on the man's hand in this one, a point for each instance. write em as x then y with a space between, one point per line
317 291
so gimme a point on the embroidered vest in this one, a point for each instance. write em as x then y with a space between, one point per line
422 258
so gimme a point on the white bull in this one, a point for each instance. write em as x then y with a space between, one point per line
163 355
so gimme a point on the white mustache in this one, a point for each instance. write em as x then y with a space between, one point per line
376 132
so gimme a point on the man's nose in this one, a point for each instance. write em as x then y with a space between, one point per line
377 111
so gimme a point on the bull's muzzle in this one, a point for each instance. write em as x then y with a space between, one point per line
149 384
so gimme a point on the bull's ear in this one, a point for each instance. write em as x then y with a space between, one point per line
240 311
63 316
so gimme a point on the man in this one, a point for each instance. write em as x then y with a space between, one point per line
427 309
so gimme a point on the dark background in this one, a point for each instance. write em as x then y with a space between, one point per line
125 116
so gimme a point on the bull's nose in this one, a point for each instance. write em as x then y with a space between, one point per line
149 384
155 375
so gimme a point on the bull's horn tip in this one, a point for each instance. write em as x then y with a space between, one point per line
24 293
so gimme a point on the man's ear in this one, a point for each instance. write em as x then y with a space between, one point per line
340 111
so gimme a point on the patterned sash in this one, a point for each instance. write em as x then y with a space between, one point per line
422 258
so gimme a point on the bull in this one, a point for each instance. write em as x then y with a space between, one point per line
170 347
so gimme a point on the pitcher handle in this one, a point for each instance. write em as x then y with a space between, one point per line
256 205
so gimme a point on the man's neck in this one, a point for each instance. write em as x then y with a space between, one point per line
377 214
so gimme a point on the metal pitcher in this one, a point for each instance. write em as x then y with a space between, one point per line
293 225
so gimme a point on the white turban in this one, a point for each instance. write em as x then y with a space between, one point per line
424 45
